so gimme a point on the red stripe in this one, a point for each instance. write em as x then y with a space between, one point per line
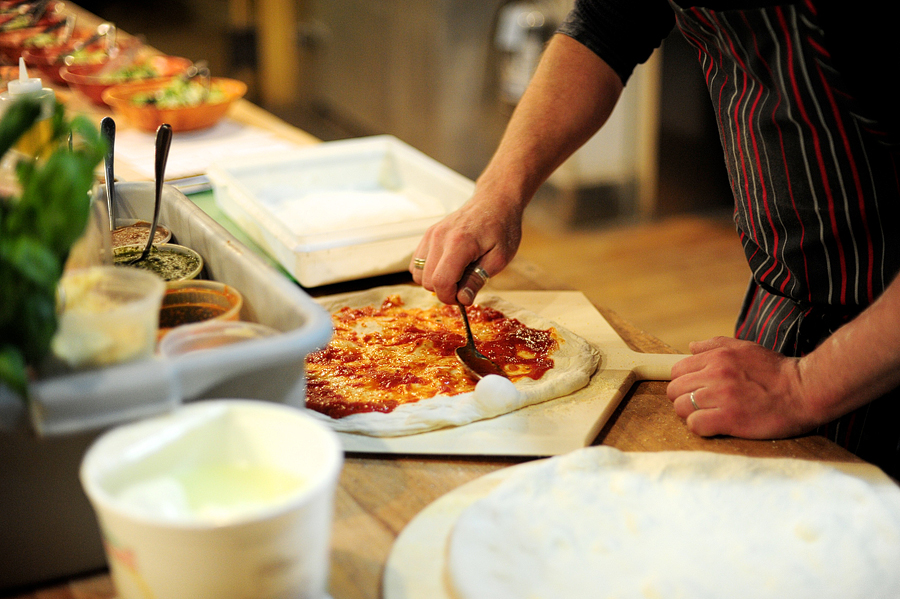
765 325
787 315
742 327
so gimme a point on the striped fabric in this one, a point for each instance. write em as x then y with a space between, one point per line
816 188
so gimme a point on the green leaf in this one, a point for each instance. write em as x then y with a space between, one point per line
37 230
12 370
34 262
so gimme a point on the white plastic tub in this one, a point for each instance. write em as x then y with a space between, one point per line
340 210
48 527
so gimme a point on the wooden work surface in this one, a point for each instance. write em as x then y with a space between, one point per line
379 494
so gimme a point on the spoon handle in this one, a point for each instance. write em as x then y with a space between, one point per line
108 130
163 142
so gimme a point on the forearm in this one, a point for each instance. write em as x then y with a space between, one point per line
571 95
858 363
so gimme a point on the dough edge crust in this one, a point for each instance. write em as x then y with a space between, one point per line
574 364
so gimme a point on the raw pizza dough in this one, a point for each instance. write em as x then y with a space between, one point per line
599 523
574 363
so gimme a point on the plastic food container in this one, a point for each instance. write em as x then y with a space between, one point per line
341 210
109 315
227 499
189 302
210 335
49 528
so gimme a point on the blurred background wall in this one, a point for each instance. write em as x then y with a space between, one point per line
444 76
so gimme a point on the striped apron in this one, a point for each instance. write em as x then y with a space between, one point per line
817 198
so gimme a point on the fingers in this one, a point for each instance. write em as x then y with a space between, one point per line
453 265
697 408
473 280
480 234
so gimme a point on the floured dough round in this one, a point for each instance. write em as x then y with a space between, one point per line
599 523
574 363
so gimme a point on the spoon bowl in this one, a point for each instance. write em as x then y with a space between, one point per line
473 360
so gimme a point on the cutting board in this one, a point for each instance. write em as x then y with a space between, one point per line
554 427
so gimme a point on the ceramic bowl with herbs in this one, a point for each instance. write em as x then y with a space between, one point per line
185 104
133 231
92 80
170 261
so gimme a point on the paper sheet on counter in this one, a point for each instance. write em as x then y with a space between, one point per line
193 151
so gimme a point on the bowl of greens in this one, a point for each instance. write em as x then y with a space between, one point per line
187 104
94 79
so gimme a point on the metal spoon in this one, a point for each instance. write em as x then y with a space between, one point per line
108 130
473 360
163 142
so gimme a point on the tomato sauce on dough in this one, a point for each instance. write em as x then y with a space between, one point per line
382 356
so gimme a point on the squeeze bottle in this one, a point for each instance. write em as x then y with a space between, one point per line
36 140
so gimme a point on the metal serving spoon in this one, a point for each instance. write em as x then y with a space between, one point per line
473 360
108 130
163 142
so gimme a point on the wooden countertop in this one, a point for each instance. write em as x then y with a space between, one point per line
378 495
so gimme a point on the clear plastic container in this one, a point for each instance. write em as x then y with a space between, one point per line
109 316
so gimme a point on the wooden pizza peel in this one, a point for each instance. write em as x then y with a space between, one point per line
554 427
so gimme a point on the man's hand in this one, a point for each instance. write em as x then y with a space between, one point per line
740 389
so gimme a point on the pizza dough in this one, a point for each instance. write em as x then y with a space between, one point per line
574 363
599 523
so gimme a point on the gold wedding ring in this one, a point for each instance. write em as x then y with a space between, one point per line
419 263
694 402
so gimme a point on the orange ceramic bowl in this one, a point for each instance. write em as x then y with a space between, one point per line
187 118
84 77
13 43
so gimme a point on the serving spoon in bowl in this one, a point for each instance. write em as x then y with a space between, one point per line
163 142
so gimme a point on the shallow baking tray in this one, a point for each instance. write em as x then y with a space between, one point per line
341 210
48 526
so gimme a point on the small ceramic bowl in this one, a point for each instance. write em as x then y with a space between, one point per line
148 117
170 261
189 302
48 60
132 231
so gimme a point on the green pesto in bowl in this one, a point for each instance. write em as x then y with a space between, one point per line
170 261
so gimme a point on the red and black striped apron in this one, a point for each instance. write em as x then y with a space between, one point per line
816 189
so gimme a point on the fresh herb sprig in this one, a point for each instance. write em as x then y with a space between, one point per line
38 226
